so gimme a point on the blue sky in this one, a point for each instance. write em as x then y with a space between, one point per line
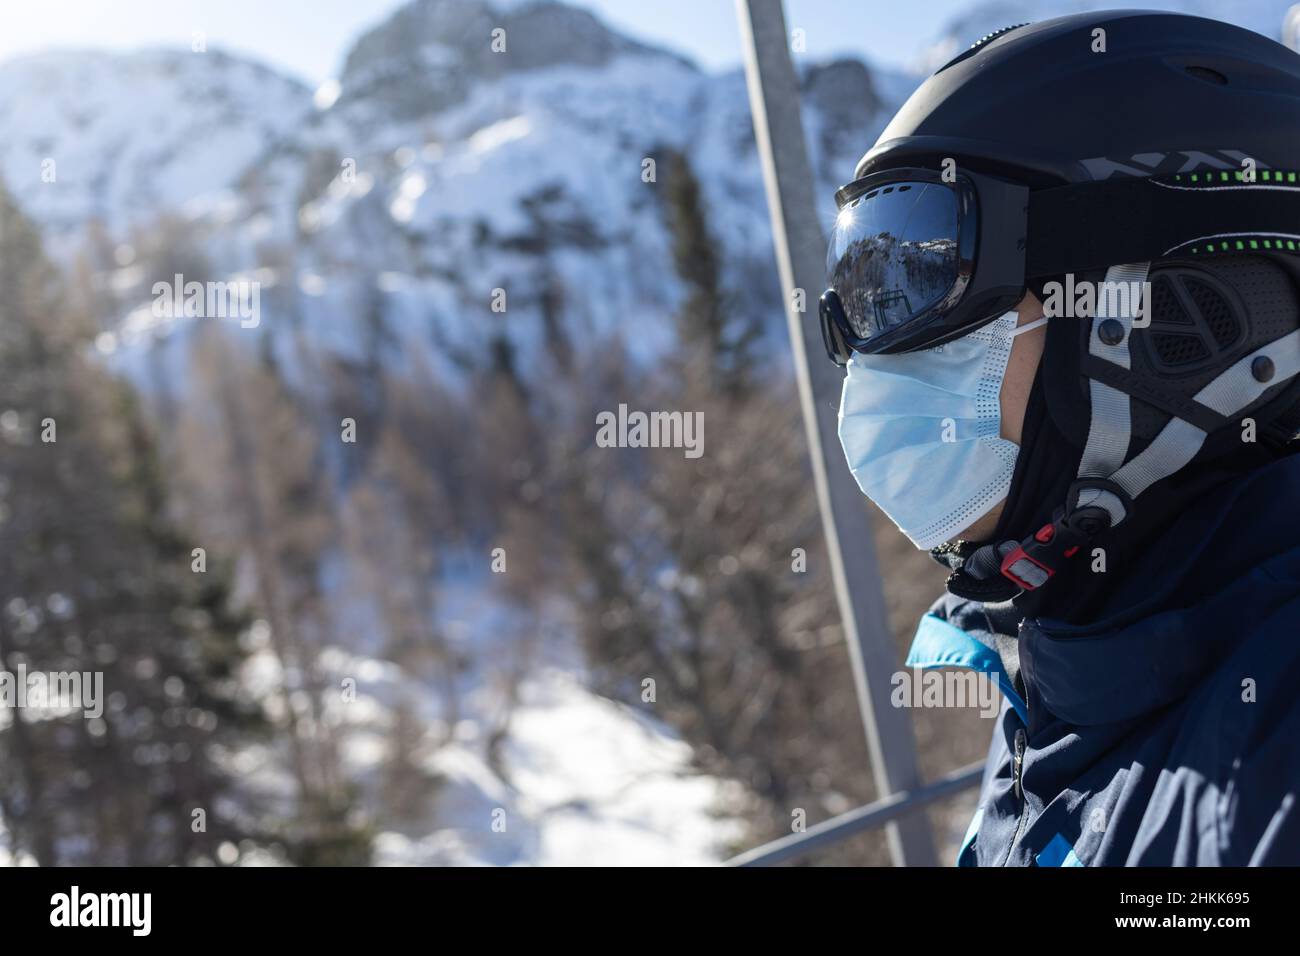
310 37
885 31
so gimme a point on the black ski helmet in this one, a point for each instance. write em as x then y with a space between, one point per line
1134 94
1108 93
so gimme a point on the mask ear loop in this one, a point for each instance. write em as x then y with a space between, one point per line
1029 326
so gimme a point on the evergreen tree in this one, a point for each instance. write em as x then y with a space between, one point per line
712 335
96 579
257 478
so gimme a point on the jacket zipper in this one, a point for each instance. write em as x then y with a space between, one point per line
1017 768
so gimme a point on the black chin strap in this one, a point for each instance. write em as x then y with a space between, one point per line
1100 496
1108 480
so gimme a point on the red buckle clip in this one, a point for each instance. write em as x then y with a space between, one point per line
1024 571
1035 559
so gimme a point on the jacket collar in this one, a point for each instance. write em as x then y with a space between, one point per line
1218 572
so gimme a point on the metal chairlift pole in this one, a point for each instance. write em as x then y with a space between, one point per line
800 248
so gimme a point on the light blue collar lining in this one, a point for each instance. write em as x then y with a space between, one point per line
966 855
1058 852
940 644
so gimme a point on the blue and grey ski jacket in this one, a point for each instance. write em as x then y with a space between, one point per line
1167 731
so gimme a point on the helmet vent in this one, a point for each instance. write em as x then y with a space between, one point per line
1166 305
979 44
1216 313
1175 351
1192 322
1208 75
995 34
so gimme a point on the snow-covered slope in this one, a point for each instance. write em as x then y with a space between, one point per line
124 137
583 781
572 779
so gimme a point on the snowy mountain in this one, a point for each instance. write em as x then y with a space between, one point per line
432 54
120 138
441 171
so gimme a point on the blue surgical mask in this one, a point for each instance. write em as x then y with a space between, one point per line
921 431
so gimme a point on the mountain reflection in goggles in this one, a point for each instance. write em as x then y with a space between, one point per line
893 254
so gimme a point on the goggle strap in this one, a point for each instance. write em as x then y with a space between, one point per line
1089 226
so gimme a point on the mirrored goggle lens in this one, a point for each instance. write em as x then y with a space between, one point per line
893 254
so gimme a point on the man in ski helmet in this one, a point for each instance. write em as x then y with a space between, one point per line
1065 283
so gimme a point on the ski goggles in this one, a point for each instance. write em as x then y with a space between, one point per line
916 259
902 264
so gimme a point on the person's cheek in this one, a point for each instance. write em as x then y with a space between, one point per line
1026 353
